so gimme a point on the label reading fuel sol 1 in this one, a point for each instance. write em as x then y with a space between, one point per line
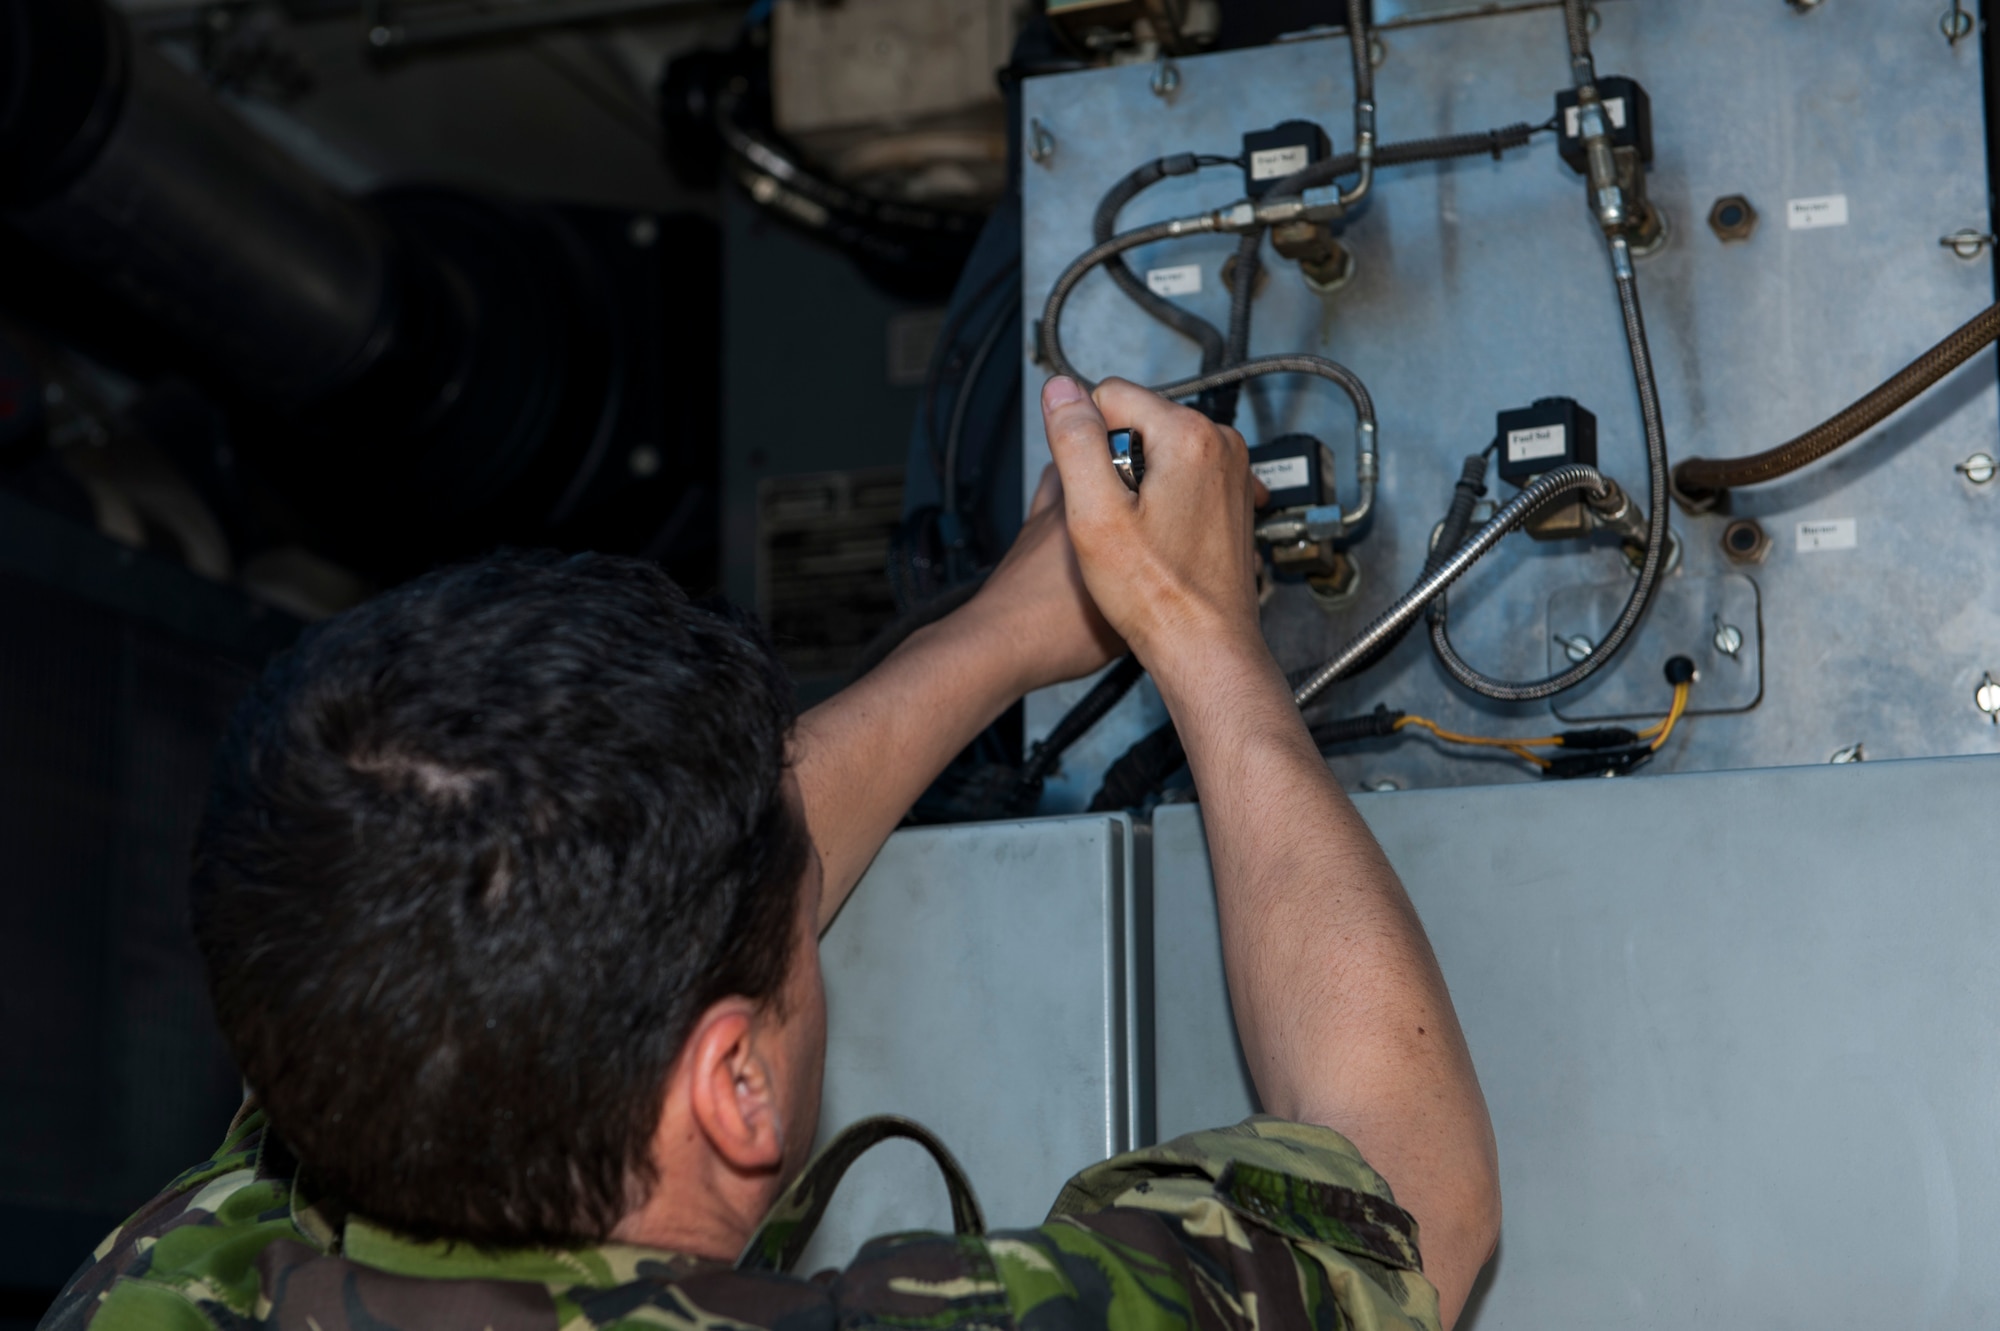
1270 163
1826 534
1282 473
1181 280
1542 441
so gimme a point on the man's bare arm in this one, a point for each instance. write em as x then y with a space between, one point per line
1343 1014
865 755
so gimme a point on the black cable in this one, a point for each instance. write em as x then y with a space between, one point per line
1104 225
951 524
1087 712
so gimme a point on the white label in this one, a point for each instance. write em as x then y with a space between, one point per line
1827 534
1811 214
1614 111
1542 441
1270 163
1282 473
1180 280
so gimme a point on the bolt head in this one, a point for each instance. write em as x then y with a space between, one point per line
1745 541
1732 218
1577 649
1729 640
1987 697
1853 753
1980 468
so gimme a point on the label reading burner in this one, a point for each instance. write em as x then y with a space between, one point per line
1540 441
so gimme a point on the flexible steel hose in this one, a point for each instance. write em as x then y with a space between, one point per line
1517 511
1700 478
1656 526
1576 19
1104 225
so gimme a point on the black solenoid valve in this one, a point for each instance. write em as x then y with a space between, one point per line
1555 432
1628 115
1269 155
1293 469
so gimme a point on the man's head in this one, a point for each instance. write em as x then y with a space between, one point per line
490 866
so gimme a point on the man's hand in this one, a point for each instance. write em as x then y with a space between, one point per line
1036 603
1342 1013
1175 562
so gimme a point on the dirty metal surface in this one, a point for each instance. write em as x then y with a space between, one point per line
1483 285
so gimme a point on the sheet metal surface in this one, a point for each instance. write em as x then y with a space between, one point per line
1483 285
989 981
1736 1031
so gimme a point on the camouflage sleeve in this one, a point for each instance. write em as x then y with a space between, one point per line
1266 1226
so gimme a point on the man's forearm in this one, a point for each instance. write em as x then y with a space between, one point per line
864 755
1343 1013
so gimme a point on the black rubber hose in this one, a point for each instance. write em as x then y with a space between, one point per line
1087 712
1377 724
1364 58
1242 293
1702 479
1471 487
1479 144
1656 526
1105 224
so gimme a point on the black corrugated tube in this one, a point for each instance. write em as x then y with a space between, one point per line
1701 480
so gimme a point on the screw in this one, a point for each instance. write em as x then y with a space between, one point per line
1378 50
1987 697
644 461
1577 648
1728 638
1166 79
1041 143
1956 24
643 232
1979 468
1853 753
1966 243
381 36
1804 6
1382 784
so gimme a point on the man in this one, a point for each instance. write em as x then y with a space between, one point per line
510 887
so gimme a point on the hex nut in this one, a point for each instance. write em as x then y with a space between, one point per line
1732 218
1745 541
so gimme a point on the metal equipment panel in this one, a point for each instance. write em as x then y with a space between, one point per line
1742 1073
1482 285
988 981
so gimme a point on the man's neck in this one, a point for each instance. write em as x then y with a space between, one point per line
699 1207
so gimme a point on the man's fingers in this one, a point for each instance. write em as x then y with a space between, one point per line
1048 492
1079 441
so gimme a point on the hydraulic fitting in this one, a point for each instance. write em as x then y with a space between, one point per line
1326 264
1606 134
1301 519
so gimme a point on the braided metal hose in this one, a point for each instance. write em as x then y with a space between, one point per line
1656 525
1399 616
1701 479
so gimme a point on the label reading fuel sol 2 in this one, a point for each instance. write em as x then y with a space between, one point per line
1826 534
1542 441
1270 163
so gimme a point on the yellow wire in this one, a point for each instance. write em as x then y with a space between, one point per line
1517 747
1666 727
1659 733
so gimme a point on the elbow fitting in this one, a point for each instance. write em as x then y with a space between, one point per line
1364 153
1367 468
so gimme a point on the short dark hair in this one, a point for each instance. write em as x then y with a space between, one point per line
477 854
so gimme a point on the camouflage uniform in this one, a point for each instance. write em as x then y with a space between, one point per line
1268 1224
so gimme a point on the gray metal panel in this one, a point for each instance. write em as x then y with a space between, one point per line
978 982
1736 1030
1483 285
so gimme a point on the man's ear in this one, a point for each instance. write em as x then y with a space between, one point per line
731 1091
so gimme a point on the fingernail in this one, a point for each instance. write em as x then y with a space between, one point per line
1061 391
